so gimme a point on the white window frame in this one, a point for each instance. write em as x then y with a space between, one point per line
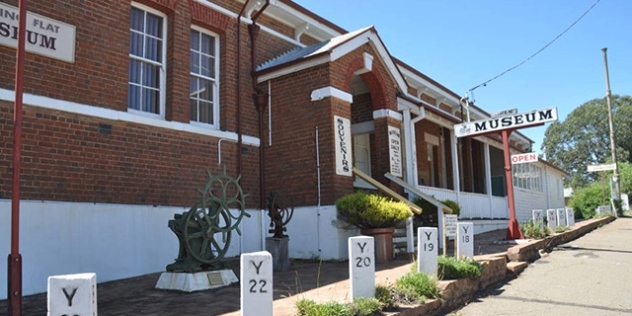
163 67
215 123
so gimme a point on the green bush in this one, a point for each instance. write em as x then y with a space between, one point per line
367 210
363 306
534 230
415 287
385 295
586 200
561 229
456 208
450 268
428 217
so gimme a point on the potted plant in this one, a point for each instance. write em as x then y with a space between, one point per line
376 216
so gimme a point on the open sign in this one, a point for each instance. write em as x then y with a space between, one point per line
524 158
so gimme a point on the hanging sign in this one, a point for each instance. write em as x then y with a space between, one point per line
44 36
524 158
498 124
342 141
395 150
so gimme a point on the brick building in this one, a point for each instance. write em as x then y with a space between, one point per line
128 104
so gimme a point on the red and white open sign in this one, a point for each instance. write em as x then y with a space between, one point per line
524 158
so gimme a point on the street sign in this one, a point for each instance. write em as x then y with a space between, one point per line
498 124
524 158
601 167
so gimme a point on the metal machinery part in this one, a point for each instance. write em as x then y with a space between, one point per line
279 216
204 231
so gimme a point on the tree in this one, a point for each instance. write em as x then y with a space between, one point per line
584 138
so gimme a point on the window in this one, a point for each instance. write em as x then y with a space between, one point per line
528 176
147 62
204 78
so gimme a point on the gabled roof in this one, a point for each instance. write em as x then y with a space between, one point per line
329 51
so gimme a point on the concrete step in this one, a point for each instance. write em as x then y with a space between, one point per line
516 267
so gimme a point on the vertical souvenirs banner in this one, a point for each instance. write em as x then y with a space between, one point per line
342 136
395 150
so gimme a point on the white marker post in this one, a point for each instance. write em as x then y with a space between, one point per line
551 218
570 217
73 294
538 215
465 240
361 267
256 283
427 240
449 229
561 217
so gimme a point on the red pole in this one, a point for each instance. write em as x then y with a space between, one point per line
513 231
14 265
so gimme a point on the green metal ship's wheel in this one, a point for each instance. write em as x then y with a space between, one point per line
208 225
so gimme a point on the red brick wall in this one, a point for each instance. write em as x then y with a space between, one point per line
66 159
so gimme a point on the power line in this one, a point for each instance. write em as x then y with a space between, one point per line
539 51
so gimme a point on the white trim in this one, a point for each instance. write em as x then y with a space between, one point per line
363 128
248 21
387 113
109 114
294 68
217 74
431 139
333 92
163 66
403 104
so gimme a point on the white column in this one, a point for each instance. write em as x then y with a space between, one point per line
455 168
465 240
488 177
427 253
410 148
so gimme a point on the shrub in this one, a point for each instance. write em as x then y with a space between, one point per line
450 268
428 217
456 208
367 210
533 230
385 295
415 287
586 200
561 229
363 306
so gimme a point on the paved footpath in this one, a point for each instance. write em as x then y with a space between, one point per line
591 275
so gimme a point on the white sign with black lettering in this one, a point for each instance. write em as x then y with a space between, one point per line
342 141
450 225
538 217
361 267
465 240
561 217
256 283
73 294
395 150
551 218
427 254
44 36
570 217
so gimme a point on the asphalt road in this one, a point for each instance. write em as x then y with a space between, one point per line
591 275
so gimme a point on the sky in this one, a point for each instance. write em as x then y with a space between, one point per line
462 43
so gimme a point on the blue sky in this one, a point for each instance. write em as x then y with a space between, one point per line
462 43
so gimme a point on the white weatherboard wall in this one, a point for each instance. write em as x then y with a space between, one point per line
120 241
551 197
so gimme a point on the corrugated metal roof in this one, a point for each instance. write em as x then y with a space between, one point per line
309 51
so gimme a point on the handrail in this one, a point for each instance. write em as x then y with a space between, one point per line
429 198
413 207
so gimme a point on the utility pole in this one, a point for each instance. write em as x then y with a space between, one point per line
613 144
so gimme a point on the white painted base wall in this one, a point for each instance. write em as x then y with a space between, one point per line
121 241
